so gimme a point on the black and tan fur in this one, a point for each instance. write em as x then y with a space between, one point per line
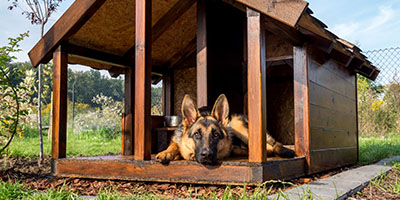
207 136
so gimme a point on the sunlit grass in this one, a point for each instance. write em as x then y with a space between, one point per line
375 148
86 144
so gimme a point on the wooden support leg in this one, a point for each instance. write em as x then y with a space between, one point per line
256 85
167 95
143 80
201 54
301 102
59 124
127 134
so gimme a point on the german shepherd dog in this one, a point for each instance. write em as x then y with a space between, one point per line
207 136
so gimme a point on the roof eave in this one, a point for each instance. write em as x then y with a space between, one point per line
70 22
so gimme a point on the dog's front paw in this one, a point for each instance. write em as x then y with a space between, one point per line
164 157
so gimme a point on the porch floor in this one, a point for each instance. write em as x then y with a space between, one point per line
235 171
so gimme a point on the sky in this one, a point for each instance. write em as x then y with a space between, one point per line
371 24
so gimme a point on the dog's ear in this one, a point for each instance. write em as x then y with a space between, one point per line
220 110
190 112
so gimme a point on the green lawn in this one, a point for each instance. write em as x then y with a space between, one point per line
376 148
88 144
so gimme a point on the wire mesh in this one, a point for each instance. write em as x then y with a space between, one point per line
388 60
379 101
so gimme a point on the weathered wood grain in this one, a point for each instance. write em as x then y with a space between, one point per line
59 129
235 171
201 69
255 67
129 112
288 12
322 138
74 18
142 123
301 101
325 159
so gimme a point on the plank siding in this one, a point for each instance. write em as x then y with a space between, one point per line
326 78
326 159
333 116
330 99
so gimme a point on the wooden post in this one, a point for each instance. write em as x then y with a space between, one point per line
167 95
143 81
128 125
59 120
201 68
301 101
256 86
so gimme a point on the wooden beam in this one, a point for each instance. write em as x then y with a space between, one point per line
167 95
201 69
181 56
279 58
170 17
98 56
321 42
256 86
129 112
143 42
70 22
301 101
116 71
285 31
340 57
287 12
59 129
166 21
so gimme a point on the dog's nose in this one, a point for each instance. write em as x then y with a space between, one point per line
205 153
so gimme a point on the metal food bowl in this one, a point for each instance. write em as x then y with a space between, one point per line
172 121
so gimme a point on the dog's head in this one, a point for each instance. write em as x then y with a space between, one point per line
207 130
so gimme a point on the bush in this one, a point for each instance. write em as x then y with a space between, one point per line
378 108
104 121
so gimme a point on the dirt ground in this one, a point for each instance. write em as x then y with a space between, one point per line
28 172
385 188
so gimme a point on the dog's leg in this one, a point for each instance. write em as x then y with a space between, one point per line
171 153
239 128
237 151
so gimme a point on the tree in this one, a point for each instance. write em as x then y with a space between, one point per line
38 13
10 93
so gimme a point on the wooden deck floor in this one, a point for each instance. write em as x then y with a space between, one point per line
236 171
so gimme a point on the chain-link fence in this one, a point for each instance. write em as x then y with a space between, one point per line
388 60
379 101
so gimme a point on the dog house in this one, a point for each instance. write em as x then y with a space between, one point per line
272 58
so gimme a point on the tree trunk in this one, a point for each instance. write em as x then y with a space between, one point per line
40 103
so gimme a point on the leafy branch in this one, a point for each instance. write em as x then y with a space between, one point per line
6 85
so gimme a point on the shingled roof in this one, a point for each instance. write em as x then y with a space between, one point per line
101 33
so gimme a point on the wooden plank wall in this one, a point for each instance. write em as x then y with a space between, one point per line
333 116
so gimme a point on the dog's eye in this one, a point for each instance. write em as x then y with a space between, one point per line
197 134
215 133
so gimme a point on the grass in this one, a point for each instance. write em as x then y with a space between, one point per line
17 190
375 148
87 144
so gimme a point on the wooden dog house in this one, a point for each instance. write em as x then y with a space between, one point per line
272 59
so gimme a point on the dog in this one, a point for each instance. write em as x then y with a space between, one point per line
207 137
